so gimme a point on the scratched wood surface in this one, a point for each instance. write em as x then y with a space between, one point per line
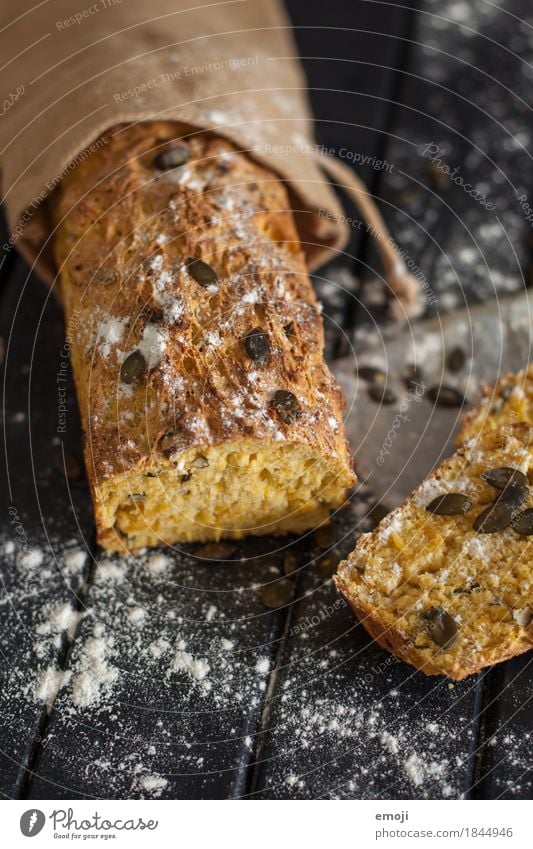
203 691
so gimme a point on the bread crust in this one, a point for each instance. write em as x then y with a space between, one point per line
126 231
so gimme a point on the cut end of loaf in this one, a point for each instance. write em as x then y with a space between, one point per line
420 577
226 491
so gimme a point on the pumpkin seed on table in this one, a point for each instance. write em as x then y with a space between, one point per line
455 359
503 476
324 536
381 394
257 345
328 564
413 378
216 551
442 628
523 523
290 562
286 405
371 374
202 272
133 368
496 517
446 396
450 504
69 465
173 157
277 594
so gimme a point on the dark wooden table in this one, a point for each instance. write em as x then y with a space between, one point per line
169 677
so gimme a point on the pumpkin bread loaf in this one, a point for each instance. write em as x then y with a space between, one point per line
445 581
196 343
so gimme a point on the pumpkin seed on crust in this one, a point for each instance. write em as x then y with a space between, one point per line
503 476
286 405
496 517
523 523
133 368
450 504
173 157
202 272
257 345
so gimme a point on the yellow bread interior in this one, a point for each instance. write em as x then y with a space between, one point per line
224 491
417 561
509 400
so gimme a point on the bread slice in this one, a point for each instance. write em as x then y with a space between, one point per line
196 342
508 400
433 590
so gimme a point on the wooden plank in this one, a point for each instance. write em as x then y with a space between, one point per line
504 748
349 720
462 118
351 96
47 524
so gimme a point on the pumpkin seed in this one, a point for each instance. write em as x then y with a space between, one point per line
503 476
201 462
328 563
456 359
467 590
371 374
133 368
172 157
257 345
523 523
413 378
215 551
450 504
446 396
514 495
290 562
277 594
324 536
69 465
286 405
168 443
381 394
442 628
202 272
106 276
496 517
523 617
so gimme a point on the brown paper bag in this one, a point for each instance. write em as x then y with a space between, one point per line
73 72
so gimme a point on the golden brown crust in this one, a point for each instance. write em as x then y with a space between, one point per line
415 562
126 232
